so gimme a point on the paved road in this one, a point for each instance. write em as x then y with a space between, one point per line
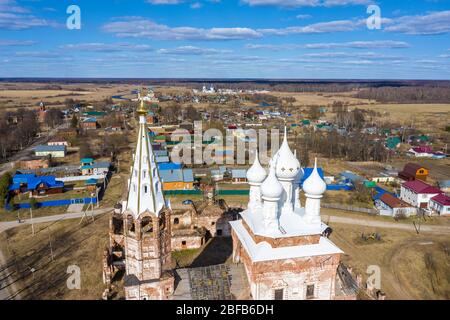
22 154
9 289
385 224
65 216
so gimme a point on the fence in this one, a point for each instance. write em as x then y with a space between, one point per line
199 192
82 178
349 208
53 203
337 187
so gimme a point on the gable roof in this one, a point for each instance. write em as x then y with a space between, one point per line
45 148
32 181
418 186
442 199
393 202
178 175
238 173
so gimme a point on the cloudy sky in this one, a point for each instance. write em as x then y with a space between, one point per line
226 39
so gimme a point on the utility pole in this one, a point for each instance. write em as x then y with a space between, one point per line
50 243
31 218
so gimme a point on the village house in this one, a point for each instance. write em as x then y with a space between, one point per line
418 193
440 204
90 167
35 163
58 141
37 185
177 179
53 151
413 171
394 207
89 124
68 133
238 176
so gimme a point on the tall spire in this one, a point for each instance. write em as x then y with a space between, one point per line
145 192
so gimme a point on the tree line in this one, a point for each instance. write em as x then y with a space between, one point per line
422 94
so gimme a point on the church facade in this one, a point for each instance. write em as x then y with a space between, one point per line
140 236
282 244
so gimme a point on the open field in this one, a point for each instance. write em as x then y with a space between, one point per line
14 95
69 243
412 266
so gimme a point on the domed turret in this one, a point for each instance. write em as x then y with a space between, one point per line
256 174
288 166
271 187
314 185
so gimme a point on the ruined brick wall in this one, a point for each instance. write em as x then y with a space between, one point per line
218 226
292 276
158 290
185 242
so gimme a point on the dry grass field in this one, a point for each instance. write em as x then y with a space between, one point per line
70 243
412 266
15 95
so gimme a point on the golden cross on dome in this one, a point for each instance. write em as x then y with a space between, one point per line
141 110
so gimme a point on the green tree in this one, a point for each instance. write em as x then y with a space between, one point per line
74 121
33 203
5 182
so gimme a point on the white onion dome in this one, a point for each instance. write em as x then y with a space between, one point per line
271 187
256 174
288 165
314 184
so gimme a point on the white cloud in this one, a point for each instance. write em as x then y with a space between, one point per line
106 47
191 50
429 24
321 27
15 17
331 45
16 43
305 3
359 44
138 27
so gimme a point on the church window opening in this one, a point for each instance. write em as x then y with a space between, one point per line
279 294
310 291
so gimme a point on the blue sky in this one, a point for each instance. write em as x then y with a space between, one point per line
301 39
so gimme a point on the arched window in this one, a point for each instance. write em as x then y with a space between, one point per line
147 225
145 189
176 221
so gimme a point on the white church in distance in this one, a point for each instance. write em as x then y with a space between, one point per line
282 244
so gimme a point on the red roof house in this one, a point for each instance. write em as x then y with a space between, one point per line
418 193
420 187
440 204
413 171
